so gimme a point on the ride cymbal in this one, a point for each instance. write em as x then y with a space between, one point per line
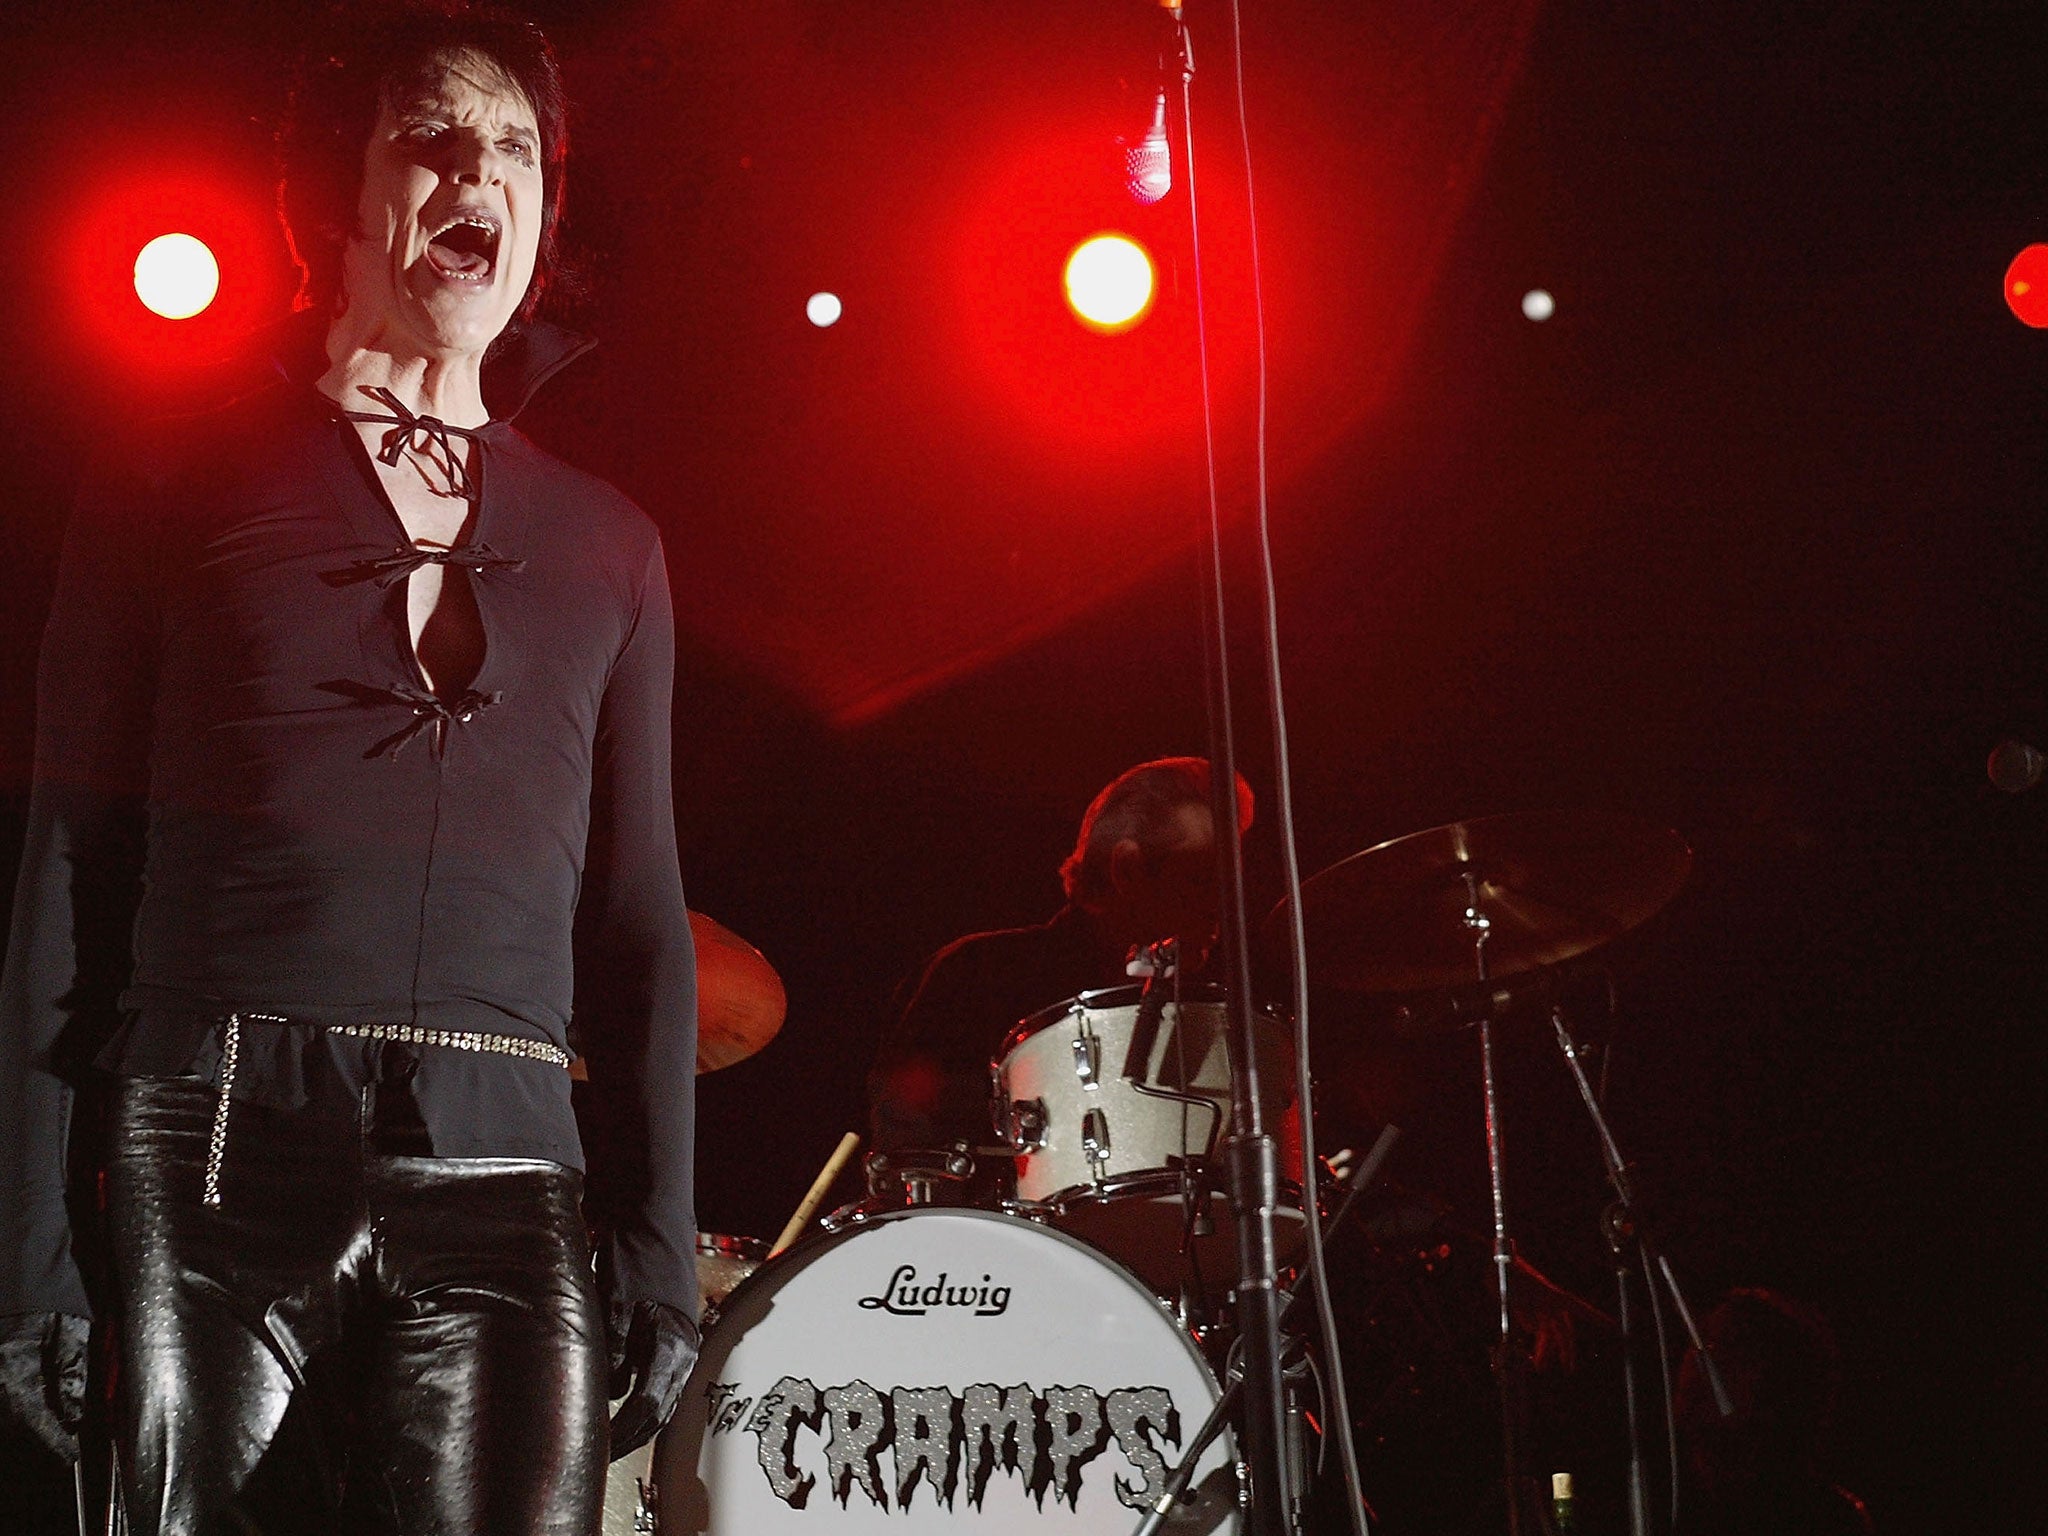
1547 885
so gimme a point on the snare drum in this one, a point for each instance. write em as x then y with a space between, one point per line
723 1261
936 1370
1115 1118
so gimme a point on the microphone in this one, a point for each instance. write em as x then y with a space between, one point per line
2015 767
1157 963
1148 164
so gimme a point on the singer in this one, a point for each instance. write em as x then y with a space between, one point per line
353 734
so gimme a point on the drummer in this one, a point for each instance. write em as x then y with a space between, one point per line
1143 870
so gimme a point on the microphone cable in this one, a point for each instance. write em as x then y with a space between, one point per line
1339 1400
1283 779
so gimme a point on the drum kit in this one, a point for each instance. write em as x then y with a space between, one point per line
929 1357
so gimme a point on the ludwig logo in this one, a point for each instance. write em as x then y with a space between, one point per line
906 1296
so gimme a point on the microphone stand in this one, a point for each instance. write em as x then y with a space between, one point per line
1182 1471
1614 1225
1249 1156
1623 1225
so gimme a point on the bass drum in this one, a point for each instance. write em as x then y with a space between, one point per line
940 1371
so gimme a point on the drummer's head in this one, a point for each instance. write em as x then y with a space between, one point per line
1145 863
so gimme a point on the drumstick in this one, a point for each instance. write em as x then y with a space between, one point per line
848 1145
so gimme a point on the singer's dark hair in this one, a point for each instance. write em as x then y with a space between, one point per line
368 55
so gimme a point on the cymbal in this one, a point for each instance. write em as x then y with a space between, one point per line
1550 885
740 999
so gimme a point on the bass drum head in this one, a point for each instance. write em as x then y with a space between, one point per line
940 1371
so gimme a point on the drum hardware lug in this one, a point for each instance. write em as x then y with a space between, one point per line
1027 1125
999 1106
1087 1054
1095 1137
851 1214
879 1170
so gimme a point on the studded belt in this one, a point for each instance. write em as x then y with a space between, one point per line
456 1040
401 1034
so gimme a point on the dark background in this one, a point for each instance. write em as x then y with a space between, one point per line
1746 539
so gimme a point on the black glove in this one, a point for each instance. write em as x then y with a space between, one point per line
652 1349
42 1377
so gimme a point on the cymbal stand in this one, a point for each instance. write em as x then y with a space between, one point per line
1623 1226
1506 1375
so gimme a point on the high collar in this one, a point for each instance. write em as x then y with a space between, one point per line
518 364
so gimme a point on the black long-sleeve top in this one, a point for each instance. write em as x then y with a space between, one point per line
228 691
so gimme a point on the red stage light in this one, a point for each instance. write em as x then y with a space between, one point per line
2026 286
1109 282
176 276
172 270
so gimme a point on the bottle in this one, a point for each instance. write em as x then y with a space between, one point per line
1562 1518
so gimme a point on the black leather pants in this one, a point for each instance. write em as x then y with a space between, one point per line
351 1340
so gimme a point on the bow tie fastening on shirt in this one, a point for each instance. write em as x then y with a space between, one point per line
385 570
406 426
430 710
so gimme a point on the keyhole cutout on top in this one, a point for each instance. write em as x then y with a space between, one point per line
443 623
447 631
